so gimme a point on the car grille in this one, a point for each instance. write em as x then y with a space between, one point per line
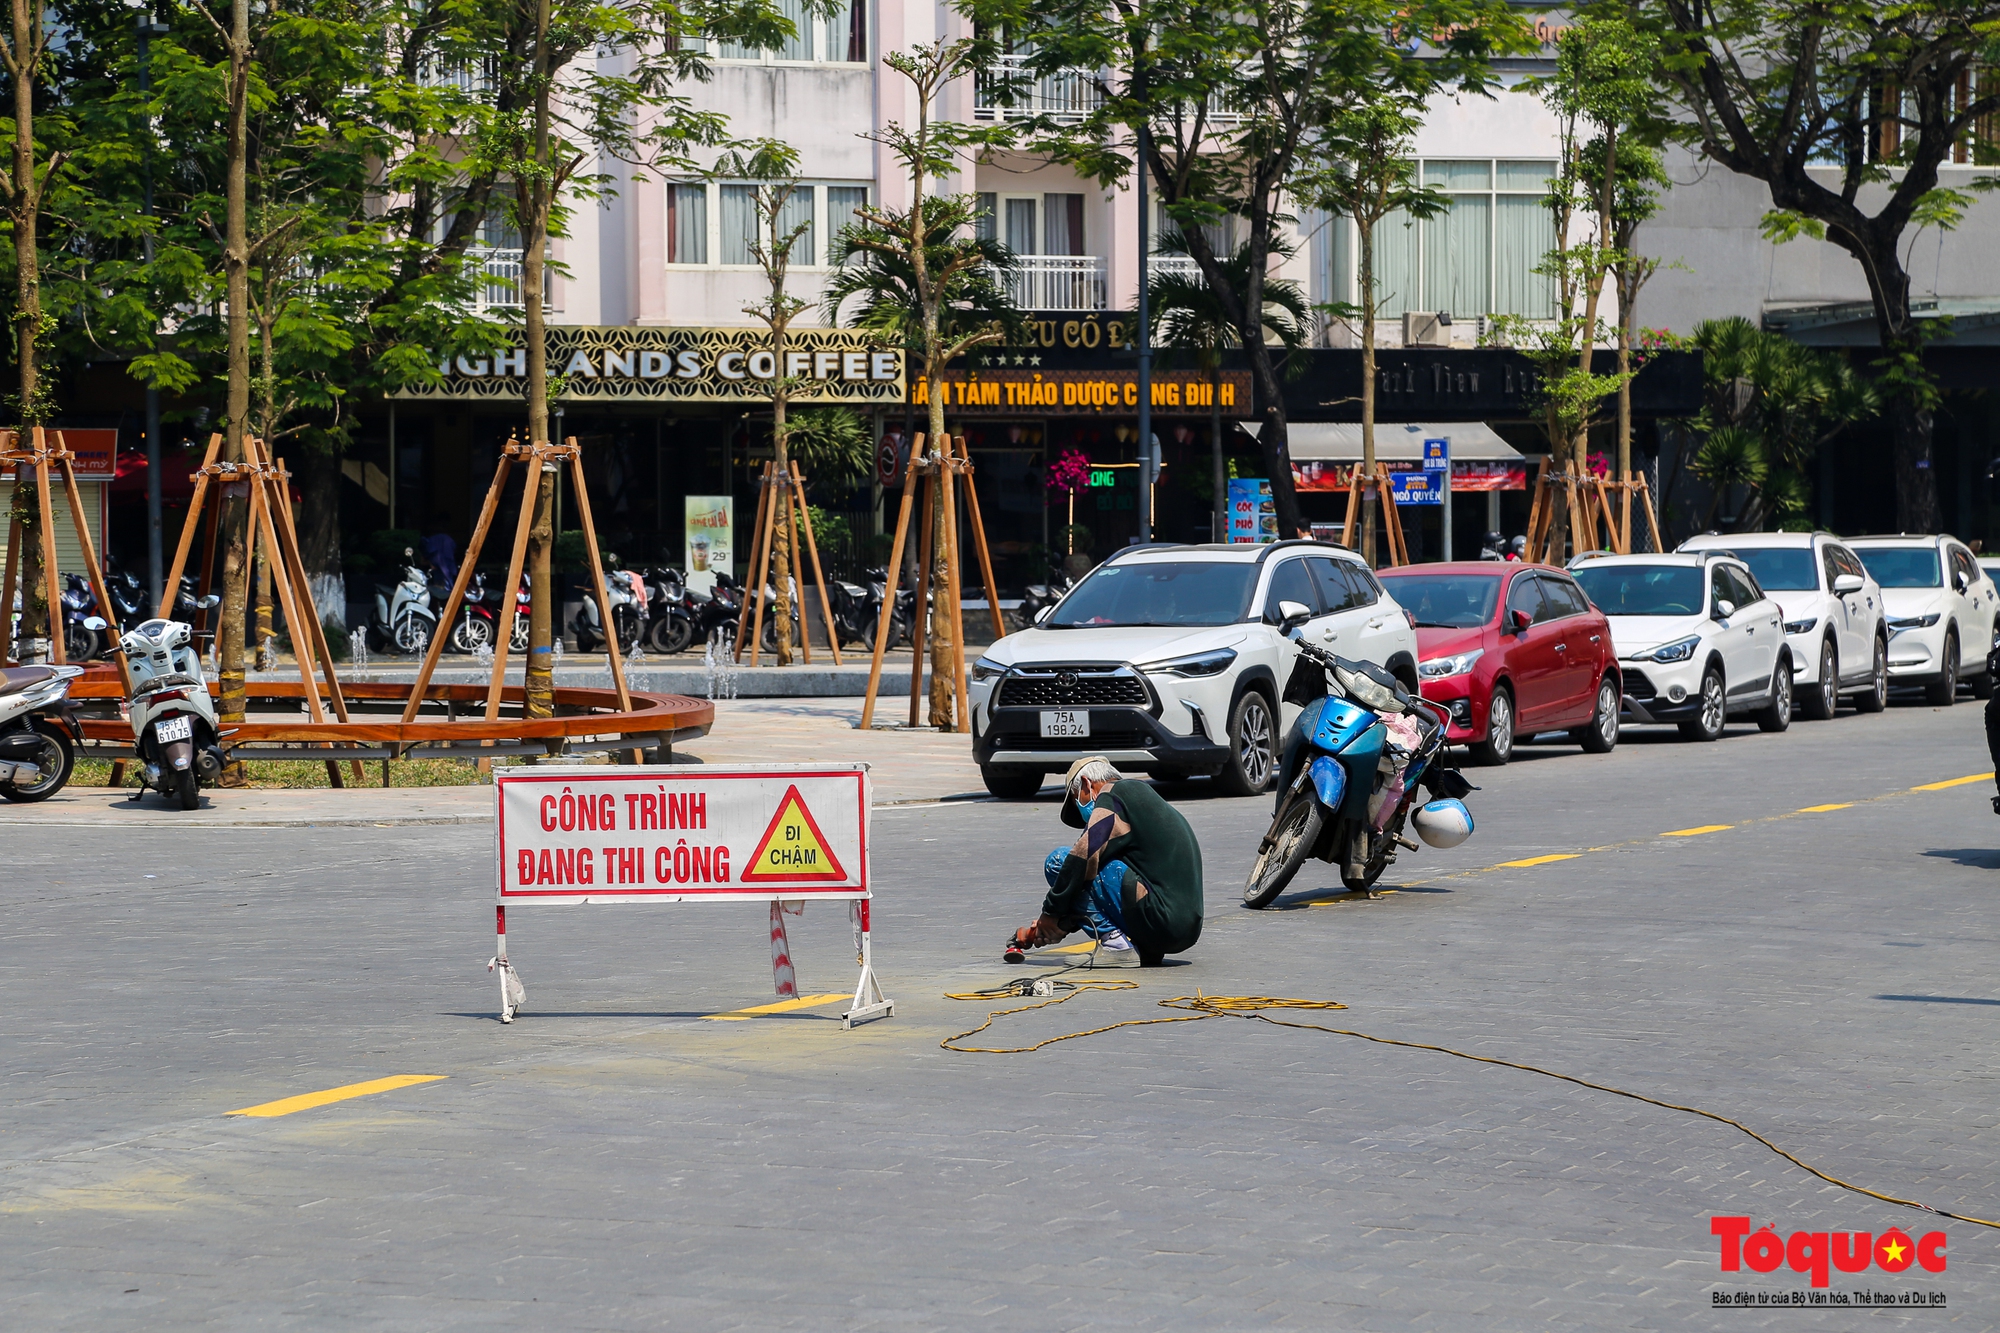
1072 687
1097 740
1637 685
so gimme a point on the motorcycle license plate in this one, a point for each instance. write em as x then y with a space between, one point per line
173 729
1065 723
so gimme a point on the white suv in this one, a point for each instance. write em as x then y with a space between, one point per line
1697 639
1940 605
1833 613
1170 660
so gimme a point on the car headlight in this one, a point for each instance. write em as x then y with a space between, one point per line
1201 664
1900 623
985 668
1801 626
1455 665
1680 650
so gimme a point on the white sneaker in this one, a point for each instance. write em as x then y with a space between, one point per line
1114 950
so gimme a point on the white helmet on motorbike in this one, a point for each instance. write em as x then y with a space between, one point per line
1445 823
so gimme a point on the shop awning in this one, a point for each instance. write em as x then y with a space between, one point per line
1395 441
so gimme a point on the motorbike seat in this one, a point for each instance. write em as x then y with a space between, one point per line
15 679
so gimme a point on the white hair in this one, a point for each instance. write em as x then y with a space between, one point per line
1097 770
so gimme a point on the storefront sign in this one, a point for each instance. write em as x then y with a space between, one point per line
96 451
1253 514
1047 393
710 521
624 364
1321 475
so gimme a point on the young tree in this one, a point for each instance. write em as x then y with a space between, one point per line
1641 178
1186 315
1881 94
1218 102
1362 169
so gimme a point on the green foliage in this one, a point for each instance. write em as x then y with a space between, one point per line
570 552
1187 314
831 531
874 283
832 445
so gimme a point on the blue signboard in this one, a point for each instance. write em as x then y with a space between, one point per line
1253 514
1417 488
1437 455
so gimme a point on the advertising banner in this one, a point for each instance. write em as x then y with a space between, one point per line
1253 514
682 834
711 519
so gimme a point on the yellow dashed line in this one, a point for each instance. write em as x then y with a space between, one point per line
306 1101
1692 832
781 1007
1539 860
1822 809
1955 782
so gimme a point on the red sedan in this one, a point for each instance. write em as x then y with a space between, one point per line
1511 650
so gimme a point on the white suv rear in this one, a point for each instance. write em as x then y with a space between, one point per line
1940 607
1832 608
1170 660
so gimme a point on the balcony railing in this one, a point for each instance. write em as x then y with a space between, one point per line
497 273
1057 282
1068 95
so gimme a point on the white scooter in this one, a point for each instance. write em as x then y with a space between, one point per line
172 715
39 732
404 619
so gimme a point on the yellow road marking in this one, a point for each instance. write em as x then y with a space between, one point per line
1084 947
1822 809
1955 782
1691 832
306 1101
781 1007
1540 860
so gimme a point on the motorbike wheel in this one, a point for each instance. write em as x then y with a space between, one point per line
187 789
413 635
771 632
79 644
517 640
1293 835
56 757
670 634
470 634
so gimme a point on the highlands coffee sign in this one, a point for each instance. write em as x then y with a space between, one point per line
624 364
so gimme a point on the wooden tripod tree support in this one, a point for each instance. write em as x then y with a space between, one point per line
791 492
1588 498
40 454
938 470
268 491
1392 521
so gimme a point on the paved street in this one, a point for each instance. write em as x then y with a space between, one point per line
618 1160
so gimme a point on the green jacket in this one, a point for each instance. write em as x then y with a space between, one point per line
1133 824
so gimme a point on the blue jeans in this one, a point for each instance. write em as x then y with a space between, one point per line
1104 907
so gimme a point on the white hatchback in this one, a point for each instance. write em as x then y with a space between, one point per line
1832 608
1940 607
1697 640
1171 660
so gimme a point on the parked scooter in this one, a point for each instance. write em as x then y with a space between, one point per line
628 610
477 625
172 715
128 596
1351 782
670 613
403 618
1039 597
39 732
84 631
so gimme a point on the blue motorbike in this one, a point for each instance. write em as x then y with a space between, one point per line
1362 742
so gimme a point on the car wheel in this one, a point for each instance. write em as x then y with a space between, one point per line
1876 697
1012 782
1601 736
1777 714
1824 701
1943 692
1498 747
1253 747
1708 724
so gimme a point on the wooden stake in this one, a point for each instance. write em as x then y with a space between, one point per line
1652 518
756 545
597 576
458 587
819 577
979 542
57 649
504 636
1625 505
794 578
7 589
954 589
921 612
1347 531
170 590
1392 518
887 615
770 508
92 569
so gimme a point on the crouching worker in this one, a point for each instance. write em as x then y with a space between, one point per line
1132 881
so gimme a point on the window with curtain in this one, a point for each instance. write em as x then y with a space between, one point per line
1062 224
1018 220
823 38
842 203
1523 231
1458 243
798 212
687 224
739 223
854 28
987 225
1479 256
1396 265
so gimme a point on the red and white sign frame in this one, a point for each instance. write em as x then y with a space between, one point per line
684 833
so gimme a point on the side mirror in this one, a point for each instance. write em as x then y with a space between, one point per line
1843 584
1724 608
1044 614
1520 620
210 602
95 622
1959 583
1291 615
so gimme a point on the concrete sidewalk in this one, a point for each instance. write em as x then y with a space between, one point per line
907 766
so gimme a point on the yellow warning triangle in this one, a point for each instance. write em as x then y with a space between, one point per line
793 850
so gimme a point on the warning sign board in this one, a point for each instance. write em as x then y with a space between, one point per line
681 833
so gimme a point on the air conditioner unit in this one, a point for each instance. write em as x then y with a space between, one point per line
1426 329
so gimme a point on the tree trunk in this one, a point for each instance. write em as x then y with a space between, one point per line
1367 280
29 580
1276 442
781 529
231 628
538 677
1215 447
319 532
25 206
1916 480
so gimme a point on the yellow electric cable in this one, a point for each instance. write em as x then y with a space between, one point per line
1202 1006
